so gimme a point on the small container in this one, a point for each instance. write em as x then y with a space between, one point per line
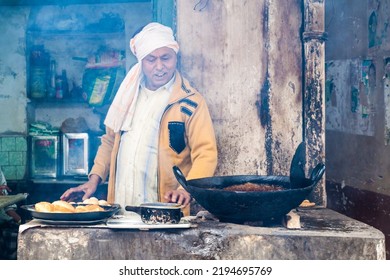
44 156
75 149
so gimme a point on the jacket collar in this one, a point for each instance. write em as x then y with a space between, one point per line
181 89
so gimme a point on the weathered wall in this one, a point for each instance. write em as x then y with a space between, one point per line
246 59
358 111
357 106
13 100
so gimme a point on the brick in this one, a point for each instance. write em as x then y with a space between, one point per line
4 160
21 144
24 158
9 172
20 172
15 158
8 144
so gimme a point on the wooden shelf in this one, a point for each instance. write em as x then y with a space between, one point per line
43 103
75 34
56 181
61 181
61 2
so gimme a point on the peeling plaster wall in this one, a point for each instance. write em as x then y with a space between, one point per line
246 59
357 106
13 99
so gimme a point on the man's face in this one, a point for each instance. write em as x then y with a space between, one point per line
159 67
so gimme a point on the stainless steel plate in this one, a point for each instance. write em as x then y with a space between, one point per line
73 217
58 222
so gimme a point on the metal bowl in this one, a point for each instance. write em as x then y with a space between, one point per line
248 206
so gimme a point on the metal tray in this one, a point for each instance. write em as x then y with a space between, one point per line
70 223
135 222
81 217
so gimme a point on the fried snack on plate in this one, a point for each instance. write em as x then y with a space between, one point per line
61 206
103 202
91 200
88 208
44 206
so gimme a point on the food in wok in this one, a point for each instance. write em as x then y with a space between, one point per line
249 206
251 187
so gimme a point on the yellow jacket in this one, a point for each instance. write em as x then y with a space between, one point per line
186 140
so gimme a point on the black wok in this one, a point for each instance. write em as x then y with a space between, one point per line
249 206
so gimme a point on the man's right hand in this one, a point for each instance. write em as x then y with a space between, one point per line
83 191
4 189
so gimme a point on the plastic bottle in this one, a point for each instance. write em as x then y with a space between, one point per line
52 82
65 84
59 92
39 68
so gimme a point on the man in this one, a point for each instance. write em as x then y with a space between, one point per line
9 224
156 121
8 213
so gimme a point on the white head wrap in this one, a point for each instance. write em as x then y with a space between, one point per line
153 36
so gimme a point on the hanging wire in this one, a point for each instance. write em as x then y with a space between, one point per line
201 5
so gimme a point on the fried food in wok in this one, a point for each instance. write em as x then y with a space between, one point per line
251 187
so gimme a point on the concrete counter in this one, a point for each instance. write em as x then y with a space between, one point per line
325 234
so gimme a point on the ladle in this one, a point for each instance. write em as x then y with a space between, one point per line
297 167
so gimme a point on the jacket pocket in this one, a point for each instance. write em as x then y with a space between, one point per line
176 136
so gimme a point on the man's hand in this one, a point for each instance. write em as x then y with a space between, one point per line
178 196
4 189
83 191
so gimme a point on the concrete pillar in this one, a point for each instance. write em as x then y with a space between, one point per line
314 89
